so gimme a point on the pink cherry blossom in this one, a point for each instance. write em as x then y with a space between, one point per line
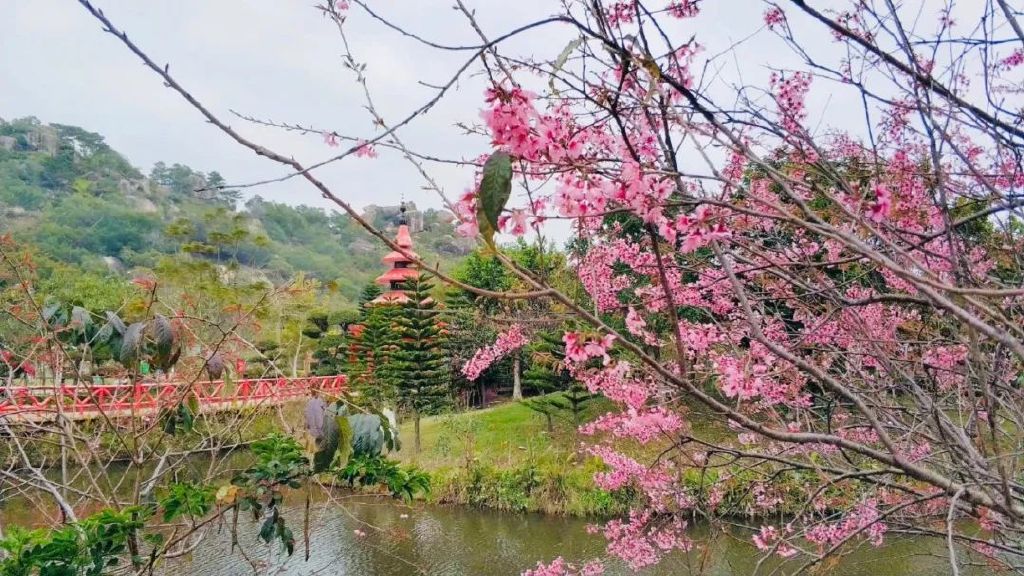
506 343
365 150
774 17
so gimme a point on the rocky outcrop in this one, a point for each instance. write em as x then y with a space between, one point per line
114 264
363 246
387 216
44 138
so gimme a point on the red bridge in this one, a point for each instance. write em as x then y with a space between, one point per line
35 403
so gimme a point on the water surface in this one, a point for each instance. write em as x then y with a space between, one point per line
450 541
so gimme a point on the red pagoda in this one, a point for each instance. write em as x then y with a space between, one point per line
402 267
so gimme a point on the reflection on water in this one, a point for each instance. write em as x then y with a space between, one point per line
416 539
455 541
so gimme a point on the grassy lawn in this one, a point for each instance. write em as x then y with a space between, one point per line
504 458
503 436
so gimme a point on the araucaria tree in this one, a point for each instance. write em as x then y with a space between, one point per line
371 347
419 363
824 214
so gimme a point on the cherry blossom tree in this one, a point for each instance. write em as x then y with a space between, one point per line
841 285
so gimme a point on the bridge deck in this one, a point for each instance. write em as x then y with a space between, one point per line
86 401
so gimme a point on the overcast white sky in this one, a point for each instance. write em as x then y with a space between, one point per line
276 59
279 59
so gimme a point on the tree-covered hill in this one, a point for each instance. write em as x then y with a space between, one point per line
77 201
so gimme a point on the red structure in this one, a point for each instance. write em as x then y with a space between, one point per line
402 267
36 403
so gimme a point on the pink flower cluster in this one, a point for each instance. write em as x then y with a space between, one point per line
507 342
365 150
643 538
879 210
579 348
790 93
697 230
637 326
559 567
946 364
598 275
864 519
770 537
643 425
625 471
621 12
753 379
519 128
616 383
1013 60
465 211
774 17
683 8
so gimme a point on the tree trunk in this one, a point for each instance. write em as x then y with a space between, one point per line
551 424
295 359
416 427
517 383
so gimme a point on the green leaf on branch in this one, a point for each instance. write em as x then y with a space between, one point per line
327 447
495 189
559 63
81 320
131 346
115 321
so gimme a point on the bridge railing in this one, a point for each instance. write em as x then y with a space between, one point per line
149 395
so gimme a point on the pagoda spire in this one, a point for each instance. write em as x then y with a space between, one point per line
401 268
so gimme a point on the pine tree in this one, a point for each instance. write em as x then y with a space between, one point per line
367 295
545 376
331 354
369 362
420 361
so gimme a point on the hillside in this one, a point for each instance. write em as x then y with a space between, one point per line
64 191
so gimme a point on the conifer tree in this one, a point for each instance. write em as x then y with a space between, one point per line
367 295
546 376
420 362
370 358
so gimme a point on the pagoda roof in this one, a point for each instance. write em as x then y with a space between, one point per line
397 275
396 256
403 238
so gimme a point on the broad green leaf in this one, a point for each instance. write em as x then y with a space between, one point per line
563 57
163 333
81 320
327 447
215 366
114 320
267 530
495 189
345 438
50 310
186 417
131 347
170 422
192 401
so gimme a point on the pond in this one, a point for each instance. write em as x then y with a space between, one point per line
411 539
451 541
